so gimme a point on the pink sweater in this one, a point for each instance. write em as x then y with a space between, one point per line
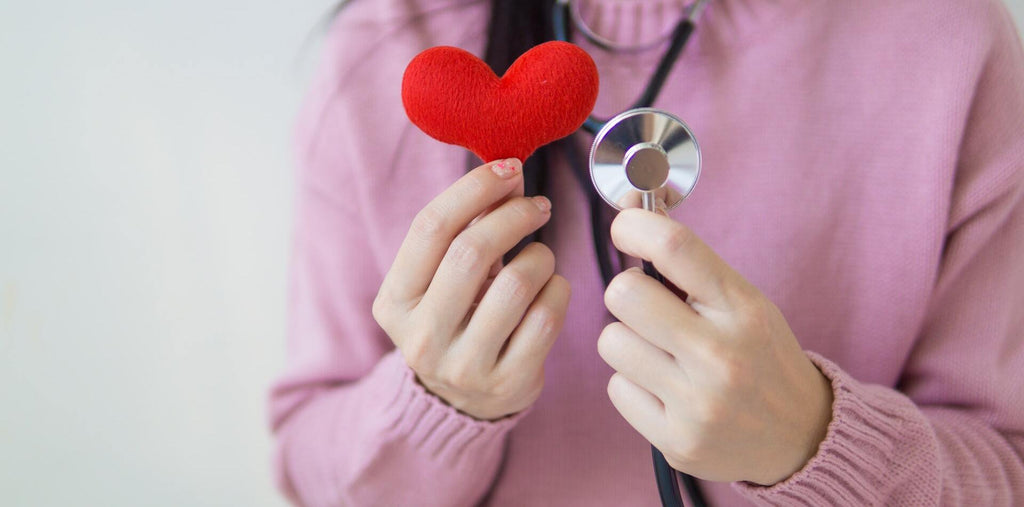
863 166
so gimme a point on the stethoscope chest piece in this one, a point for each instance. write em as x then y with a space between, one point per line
642 156
647 158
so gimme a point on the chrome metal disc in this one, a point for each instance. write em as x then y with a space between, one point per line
634 139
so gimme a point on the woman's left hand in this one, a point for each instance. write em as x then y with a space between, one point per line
720 385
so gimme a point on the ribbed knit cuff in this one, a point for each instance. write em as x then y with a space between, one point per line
861 453
428 423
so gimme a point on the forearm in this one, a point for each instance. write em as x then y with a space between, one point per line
384 440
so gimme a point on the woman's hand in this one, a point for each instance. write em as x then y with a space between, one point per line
719 385
475 332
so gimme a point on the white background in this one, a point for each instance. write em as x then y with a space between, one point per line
145 202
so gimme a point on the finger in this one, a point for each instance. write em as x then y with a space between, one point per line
678 254
464 267
435 226
634 198
630 199
661 207
652 310
518 191
638 360
498 263
641 409
492 272
506 301
533 338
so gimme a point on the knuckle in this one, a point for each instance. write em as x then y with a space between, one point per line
523 208
515 283
506 387
417 353
678 239
727 364
463 376
729 375
469 251
753 313
673 462
471 186
385 308
380 309
741 293
501 381
709 413
429 223
504 390
679 453
682 450
736 371
545 320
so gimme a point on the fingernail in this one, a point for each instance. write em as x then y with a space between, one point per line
542 203
506 168
660 206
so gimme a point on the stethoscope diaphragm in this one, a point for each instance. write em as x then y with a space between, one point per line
644 154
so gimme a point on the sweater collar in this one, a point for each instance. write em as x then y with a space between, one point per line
632 22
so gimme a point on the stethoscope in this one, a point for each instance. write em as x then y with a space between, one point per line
638 158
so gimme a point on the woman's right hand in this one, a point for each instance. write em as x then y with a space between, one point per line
476 332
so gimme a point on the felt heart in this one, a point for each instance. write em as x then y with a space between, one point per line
456 98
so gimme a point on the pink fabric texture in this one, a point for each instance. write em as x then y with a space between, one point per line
863 166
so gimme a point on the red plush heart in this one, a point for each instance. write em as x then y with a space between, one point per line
456 98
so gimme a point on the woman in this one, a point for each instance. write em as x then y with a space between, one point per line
852 253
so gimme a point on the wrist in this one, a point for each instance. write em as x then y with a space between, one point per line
817 416
482 414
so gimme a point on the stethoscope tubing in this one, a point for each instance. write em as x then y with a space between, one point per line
680 36
665 475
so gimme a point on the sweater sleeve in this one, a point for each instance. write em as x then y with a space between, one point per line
352 425
952 432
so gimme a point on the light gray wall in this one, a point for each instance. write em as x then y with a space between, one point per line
145 193
145 186
1017 8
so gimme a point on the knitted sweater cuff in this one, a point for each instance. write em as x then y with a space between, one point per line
859 449
420 418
